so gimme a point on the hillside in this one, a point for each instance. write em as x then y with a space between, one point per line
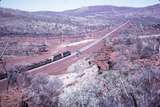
77 21
45 61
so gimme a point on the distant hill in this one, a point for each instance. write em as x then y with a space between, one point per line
115 11
76 21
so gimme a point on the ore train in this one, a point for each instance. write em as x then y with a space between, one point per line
61 55
38 64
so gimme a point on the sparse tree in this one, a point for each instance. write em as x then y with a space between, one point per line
23 103
12 79
43 91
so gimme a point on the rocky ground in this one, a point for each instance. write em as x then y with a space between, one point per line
125 72
132 80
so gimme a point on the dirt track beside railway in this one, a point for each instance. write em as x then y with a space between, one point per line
60 66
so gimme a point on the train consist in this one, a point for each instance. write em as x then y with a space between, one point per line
3 76
47 61
39 64
61 55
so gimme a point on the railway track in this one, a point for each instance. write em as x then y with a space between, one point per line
61 65
78 52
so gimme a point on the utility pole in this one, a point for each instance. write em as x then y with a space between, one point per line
0 101
141 27
62 38
2 62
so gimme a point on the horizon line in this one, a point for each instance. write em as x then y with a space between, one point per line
77 8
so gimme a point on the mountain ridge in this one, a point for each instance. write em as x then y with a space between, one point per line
71 22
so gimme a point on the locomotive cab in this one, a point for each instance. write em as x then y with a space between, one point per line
57 57
67 53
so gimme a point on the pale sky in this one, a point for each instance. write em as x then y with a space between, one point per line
60 5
